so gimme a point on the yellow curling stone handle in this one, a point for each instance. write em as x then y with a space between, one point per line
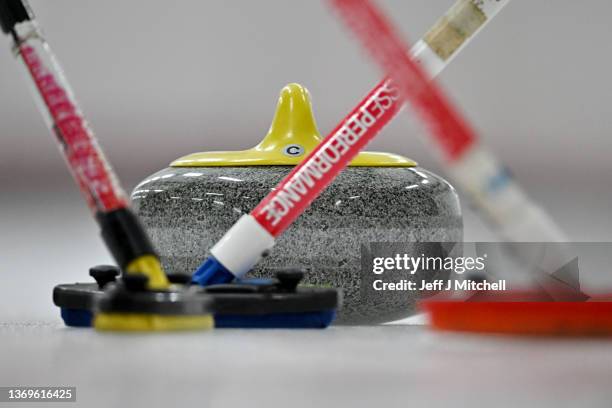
292 135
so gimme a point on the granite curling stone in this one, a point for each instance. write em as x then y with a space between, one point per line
380 197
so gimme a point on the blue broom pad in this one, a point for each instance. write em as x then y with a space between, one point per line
289 320
304 320
76 317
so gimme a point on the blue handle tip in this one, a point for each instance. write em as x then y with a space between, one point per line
211 272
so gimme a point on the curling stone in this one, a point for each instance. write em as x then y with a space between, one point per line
380 197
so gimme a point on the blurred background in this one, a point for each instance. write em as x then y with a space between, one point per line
161 79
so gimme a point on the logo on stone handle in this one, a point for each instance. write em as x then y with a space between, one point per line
293 150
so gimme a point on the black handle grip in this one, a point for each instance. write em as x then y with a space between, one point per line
13 12
124 236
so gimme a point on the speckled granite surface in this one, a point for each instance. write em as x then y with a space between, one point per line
186 210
